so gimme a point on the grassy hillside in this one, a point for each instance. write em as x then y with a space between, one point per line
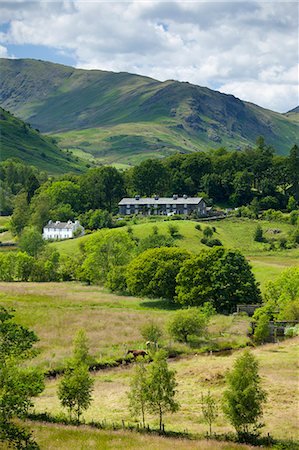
122 118
19 140
233 233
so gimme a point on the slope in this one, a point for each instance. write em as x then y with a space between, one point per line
120 117
18 139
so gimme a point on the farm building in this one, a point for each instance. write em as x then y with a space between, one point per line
62 230
163 205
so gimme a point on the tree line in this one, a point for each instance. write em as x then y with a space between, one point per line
233 178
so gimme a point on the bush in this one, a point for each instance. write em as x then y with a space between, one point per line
262 329
293 218
258 234
291 331
186 323
173 230
151 332
198 227
211 242
208 232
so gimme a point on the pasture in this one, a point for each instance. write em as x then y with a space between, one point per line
195 375
56 311
51 436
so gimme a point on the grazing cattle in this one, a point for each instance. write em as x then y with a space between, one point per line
136 353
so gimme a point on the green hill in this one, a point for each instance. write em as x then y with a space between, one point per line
233 233
122 118
18 139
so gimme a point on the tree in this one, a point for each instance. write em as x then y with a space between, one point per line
153 272
244 397
17 384
262 329
220 276
292 204
81 350
75 389
138 392
209 408
101 187
20 216
186 323
152 333
293 170
31 241
149 177
281 297
103 252
76 386
161 387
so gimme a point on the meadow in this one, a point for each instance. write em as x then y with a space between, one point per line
49 436
56 311
195 375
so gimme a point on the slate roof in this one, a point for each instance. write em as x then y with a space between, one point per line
161 201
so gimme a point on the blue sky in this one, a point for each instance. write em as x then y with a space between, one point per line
245 48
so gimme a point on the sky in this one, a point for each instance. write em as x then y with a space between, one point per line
245 48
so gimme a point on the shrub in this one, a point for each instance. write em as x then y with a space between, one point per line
151 332
198 227
211 242
186 323
208 232
258 234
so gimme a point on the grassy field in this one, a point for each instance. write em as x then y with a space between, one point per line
233 233
196 375
51 437
112 322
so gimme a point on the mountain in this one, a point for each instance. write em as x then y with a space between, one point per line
18 139
124 118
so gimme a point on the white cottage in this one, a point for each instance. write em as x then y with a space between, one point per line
62 230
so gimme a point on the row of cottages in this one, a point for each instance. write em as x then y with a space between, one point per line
164 205
62 230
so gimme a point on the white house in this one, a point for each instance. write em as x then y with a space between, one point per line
62 230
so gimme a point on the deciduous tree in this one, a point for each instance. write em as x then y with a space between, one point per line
161 388
244 397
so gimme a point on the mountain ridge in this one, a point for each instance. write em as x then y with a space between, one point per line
94 113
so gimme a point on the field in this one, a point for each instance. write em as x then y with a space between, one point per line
112 322
196 375
49 436
233 233
57 310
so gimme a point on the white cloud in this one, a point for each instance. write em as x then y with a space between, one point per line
269 95
245 46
